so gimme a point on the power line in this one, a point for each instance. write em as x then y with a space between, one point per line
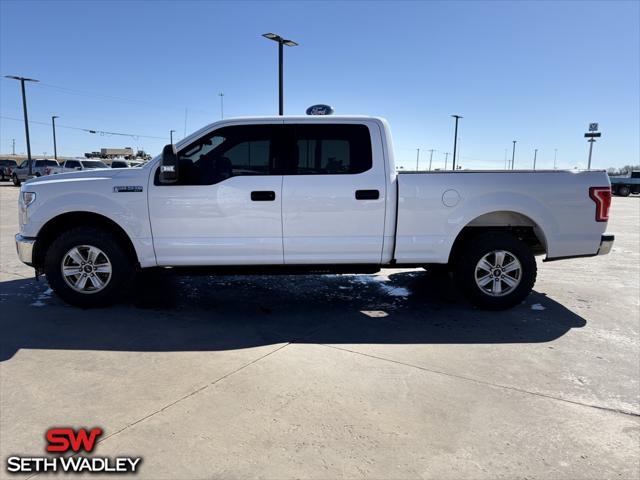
88 130
104 96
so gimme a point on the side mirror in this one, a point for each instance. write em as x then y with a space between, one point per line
169 165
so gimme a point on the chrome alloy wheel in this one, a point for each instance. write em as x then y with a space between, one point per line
498 273
86 269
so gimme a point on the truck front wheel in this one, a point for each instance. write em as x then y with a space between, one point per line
495 270
88 267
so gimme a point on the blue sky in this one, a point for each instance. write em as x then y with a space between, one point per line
536 72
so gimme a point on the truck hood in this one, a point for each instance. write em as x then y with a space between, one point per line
79 180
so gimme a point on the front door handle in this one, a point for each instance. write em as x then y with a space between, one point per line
263 196
367 194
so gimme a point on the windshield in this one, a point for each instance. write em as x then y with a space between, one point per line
93 164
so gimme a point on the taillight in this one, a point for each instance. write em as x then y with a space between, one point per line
602 197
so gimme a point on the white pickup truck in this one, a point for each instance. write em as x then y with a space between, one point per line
316 194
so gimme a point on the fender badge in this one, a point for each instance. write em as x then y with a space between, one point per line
127 188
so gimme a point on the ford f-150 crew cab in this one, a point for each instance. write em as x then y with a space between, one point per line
316 194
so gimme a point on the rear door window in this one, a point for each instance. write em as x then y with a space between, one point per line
330 149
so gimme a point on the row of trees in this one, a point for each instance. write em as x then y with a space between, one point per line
626 170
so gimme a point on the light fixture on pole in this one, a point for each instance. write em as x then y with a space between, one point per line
53 125
513 155
26 116
289 43
455 140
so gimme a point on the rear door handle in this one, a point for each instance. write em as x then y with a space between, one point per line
263 196
367 194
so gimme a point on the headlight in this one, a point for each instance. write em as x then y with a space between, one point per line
28 198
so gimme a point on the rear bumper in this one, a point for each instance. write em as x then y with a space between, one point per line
24 246
606 243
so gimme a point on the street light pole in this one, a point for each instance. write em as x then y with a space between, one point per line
431 158
555 158
53 125
455 140
26 116
535 155
13 146
417 158
281 42
221 95
446 156
513 155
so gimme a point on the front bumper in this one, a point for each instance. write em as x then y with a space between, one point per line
606 243
24 246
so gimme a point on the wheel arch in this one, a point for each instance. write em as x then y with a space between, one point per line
65 221
518 224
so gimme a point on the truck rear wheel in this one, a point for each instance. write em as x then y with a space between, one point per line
495 270
624 190
88 267
16 180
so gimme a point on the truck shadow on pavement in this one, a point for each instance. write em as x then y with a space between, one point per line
168 313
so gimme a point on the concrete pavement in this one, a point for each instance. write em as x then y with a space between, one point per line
387 376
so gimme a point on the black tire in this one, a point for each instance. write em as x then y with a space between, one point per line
624 190
2 174
122 269
467 276
16 180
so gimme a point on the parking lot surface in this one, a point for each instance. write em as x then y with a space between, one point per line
369 376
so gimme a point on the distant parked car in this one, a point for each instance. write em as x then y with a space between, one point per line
40 168
79 164
120 164
6 169
624 186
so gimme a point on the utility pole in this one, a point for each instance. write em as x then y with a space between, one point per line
53 125
591 142
185 122
455 140
431 158
26 117
221 95
446 156
171 136
513 155
13 146
281 42
417 158
535 155
555 158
